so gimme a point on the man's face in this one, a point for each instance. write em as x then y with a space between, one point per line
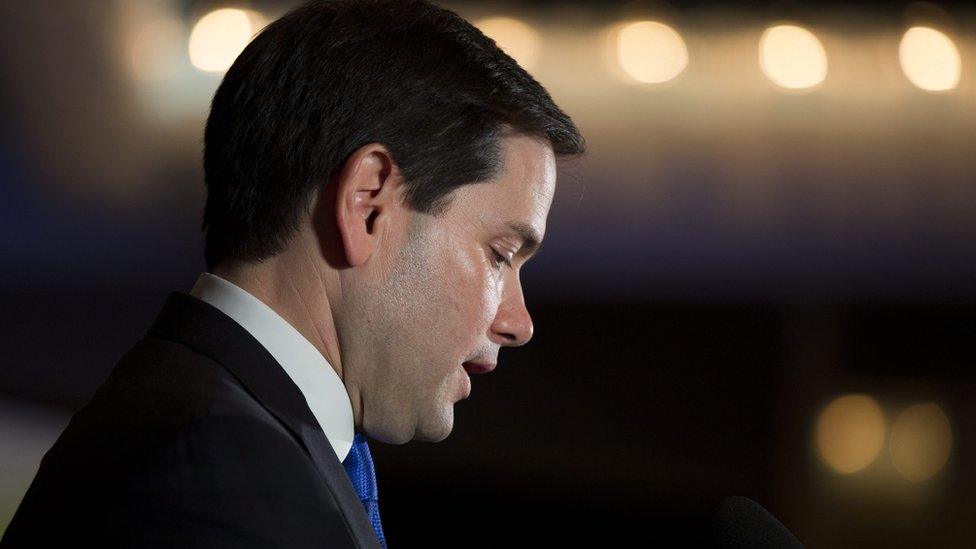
444 299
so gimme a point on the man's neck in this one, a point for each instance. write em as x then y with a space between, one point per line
294 293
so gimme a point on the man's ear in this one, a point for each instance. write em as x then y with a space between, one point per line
367 189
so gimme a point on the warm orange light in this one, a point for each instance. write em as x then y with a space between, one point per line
651 52
850 433
220 36
930 59
792 57
921 441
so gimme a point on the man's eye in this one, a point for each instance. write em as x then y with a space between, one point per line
497 259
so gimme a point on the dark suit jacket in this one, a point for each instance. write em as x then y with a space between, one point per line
198 438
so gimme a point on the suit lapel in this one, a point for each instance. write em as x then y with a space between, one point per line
202 327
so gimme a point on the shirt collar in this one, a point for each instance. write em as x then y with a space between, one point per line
317 380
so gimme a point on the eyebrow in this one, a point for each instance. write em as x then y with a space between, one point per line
531 240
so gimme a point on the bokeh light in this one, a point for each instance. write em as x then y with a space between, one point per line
651 52
929 59
792 57
850 433
515 38
220 36
921 441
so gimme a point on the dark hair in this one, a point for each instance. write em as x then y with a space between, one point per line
330 77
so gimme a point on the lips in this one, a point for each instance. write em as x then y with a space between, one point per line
478 367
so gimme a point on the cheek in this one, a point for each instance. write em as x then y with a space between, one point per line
469 296
470 289
479 291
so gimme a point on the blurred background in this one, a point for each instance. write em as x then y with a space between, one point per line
760 280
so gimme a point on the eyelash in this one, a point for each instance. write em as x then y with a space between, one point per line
498 259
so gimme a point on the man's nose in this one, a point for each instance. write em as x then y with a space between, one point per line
513 325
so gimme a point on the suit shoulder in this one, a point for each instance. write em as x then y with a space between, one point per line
155 389
164 375
156 386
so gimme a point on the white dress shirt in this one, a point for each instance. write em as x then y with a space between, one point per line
316 379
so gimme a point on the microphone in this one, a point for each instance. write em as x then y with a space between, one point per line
738 523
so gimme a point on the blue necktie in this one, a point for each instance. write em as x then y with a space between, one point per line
359 466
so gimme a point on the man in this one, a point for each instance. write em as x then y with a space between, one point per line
377 174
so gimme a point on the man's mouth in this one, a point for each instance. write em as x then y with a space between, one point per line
477 367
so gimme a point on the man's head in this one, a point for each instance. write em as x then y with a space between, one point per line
383 153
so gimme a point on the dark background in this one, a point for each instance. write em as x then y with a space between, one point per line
726 261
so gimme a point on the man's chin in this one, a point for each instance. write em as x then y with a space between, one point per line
435 429
423 437
438 429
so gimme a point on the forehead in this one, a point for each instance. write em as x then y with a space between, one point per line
521 195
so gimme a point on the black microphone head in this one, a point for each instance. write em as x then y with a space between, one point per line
739 522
